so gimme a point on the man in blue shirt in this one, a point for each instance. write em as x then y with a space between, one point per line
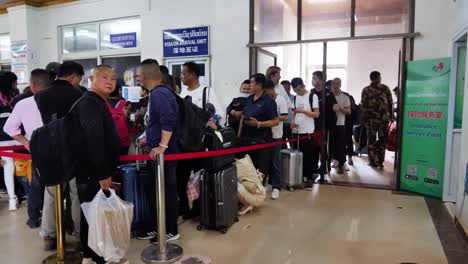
160 137
259 116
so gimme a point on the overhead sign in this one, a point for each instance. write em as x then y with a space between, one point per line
425 126
131 93
124 40
186 42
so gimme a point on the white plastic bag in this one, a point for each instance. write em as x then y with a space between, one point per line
109 220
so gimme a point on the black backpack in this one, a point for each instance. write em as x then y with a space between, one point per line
191 127
52 150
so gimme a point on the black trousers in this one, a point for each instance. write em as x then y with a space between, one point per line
86 193
311 153
171 197
349 141
184 169
338 144
287 134
261 159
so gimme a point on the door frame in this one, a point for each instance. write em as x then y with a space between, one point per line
447 196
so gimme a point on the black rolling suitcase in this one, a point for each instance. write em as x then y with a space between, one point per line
223 138
219 200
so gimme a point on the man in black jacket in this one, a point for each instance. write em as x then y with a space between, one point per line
54 102
98 152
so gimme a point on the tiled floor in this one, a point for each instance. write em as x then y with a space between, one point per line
331 224
362 174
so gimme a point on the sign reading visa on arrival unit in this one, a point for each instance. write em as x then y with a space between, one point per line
124 40
186 42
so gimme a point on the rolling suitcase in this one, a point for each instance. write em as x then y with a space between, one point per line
218 140
292 168
219 200
139 189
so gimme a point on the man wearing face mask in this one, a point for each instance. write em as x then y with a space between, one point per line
234 110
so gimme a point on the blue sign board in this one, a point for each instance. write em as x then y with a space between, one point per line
186 42
124 40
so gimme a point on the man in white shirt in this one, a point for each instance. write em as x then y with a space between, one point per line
338 134
277 131
201 97
305 110
273 74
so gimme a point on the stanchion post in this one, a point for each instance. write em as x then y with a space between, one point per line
61 257
163 252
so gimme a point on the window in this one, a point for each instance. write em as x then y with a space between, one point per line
5 53
326 19
379 17
79 38
115 43
275 20
120 34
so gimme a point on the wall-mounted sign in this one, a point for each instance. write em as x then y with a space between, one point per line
186 42
124 40
131 93
19 50
21 70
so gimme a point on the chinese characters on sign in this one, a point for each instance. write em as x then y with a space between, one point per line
124 40
186 42
19 60
425 115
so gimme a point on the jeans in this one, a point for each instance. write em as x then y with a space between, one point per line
172 203
275 168
287 134
349 141
261 159
35 199
338 144
48 213
24 183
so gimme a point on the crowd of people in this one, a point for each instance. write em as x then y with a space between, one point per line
267 110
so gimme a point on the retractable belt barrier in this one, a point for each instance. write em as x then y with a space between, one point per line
5 152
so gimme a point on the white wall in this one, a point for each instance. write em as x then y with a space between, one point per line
382 56
228 21
434 20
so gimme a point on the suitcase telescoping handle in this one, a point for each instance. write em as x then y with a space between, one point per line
297 133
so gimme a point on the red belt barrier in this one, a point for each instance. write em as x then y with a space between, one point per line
168 157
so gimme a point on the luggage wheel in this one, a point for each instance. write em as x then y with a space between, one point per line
291 189
237 219
224 230
199 227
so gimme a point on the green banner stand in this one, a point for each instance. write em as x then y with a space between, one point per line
424 130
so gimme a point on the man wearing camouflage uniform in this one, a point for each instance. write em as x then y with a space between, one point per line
377 108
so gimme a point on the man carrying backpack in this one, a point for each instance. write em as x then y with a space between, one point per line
201 97
162 122
54 102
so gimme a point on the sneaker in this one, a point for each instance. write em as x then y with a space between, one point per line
122 261
13 204
335 164
341 170
50 243
169 238
275 194
88 261
309 185
32 224
350 161
146 235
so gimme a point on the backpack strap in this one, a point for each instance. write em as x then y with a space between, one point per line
311 101
206 98
121 105
294 101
